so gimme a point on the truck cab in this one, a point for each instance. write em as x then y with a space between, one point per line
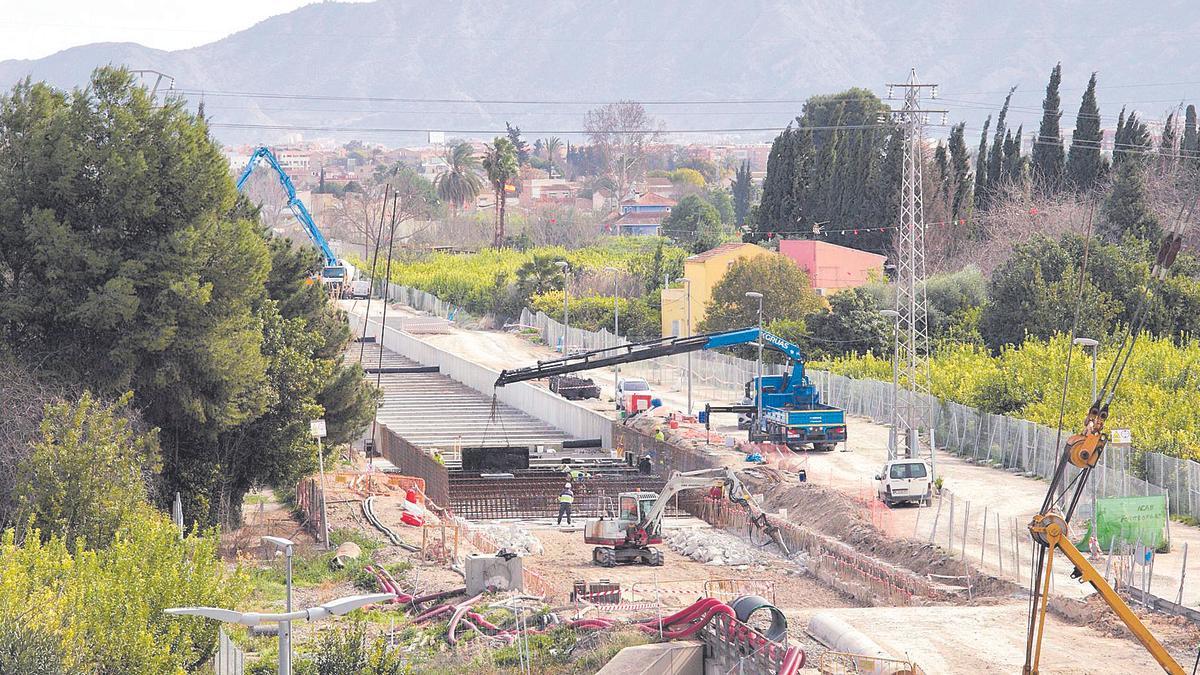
905 480
633 394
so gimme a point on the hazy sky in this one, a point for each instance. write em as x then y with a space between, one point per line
31 29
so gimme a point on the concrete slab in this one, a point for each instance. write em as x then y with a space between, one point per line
668 658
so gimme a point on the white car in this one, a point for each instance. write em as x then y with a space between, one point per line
905 480
630 386
361 289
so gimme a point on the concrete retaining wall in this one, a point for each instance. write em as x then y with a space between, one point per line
571 417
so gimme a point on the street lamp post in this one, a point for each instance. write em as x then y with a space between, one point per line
616 323
332 608
1089 343
687 284
895 317
564 266
758 421
285 627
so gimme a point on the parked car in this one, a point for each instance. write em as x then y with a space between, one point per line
905 480
360 289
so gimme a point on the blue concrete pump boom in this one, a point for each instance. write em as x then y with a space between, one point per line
294 203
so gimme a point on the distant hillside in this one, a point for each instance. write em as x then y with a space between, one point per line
599 50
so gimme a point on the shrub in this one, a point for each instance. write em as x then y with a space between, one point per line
102 610
1156 400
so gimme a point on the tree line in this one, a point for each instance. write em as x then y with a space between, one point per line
129 263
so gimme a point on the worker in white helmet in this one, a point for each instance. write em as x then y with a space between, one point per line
565 499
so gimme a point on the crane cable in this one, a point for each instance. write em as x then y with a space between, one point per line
383 286
1170 243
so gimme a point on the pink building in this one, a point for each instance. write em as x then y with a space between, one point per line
831 267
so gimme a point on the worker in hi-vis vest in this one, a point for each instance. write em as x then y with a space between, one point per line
565 500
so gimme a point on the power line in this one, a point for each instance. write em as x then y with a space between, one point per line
373 130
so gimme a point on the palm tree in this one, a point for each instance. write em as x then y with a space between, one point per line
500 163
552 146
461 184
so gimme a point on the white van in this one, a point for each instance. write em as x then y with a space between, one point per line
905 480
360 289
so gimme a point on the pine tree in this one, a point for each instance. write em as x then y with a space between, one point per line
1190 148
1048 156
981 174
1085 164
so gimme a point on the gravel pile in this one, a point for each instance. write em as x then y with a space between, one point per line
713 547
513 537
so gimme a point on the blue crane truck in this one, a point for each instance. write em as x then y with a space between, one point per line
792 411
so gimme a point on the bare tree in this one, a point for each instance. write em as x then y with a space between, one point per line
357 214
1017 214
263 188
622 131
356 217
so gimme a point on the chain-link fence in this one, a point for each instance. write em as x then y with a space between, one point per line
426 302
1004 442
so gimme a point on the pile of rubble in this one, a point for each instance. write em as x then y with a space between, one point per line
512 537
714 547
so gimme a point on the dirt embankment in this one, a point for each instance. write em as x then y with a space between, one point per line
833 513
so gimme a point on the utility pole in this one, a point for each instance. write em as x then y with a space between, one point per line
912 344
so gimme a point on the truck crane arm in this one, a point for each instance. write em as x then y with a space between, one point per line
294 203
650 349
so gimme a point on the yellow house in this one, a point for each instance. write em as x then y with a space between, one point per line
703 271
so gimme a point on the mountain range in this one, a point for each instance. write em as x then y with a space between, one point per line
392 69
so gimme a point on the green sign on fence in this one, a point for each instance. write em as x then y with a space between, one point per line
1129 520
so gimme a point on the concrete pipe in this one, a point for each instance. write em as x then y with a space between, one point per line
839 636
747 605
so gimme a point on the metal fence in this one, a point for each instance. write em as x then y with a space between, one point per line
426 302
230 660
1007 443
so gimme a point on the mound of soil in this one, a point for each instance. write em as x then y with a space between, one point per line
835 514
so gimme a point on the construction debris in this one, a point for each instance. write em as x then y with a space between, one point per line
513 537
714 547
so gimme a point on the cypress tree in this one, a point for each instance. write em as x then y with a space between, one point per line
981 175
1132 141
741 189
1167 152
995 165
1048 155
960 170
941 162
1191 138
1014 163
1085 164
1127 211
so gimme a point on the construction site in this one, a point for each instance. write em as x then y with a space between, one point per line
763 557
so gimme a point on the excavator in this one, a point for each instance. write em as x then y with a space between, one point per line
1049 528
628 537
